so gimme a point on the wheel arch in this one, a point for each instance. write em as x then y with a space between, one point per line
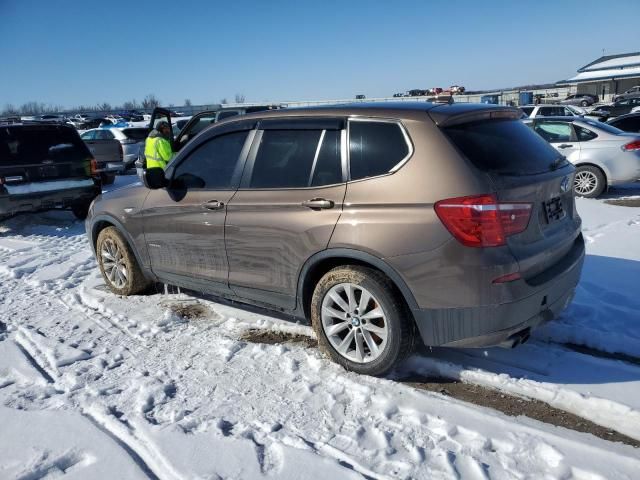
320 263
602 168
100 222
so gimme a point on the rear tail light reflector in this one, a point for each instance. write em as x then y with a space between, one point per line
481 220
635 145
510 277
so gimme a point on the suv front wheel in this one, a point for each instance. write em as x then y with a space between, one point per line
118 264
360 320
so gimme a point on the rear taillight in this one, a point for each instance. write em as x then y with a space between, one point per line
482 221
629 147
93 166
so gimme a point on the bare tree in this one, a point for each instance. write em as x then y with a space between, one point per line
150 101
104 106
130 105
239 98
187 102
224 101
9 109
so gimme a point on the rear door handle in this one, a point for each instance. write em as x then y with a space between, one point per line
213 205
318 204
565 145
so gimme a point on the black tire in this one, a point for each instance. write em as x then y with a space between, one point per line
107 179
595 175
135 281
80 210
400 325
584 103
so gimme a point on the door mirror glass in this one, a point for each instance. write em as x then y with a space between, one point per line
154 178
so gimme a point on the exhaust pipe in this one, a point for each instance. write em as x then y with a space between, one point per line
516 339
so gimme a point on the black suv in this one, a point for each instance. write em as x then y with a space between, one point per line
44 167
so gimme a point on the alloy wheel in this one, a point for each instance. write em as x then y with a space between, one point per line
354 322
113 263
585 182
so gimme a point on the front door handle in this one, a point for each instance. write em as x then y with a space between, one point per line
565 145
318 204
213 205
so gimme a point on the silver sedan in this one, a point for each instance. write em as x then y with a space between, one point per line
603 155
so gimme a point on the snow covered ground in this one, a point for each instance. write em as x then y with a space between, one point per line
97 386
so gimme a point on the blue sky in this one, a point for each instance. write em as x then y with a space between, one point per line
83 52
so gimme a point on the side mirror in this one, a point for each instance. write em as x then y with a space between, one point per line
153 178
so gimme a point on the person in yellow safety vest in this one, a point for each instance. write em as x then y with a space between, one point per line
157 147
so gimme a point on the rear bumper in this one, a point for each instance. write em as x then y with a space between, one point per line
485 326
11 204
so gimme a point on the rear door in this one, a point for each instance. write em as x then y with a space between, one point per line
287 206
524 168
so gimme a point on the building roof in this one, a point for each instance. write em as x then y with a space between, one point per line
608 67
623 60
610 73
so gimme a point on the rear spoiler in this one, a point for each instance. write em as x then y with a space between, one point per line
448 115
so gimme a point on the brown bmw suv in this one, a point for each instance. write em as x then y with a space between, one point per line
380 223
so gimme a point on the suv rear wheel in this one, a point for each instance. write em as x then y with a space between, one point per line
360 320
118 264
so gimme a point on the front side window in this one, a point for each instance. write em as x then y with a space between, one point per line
212 165
554 131
375 148
551 112
527 110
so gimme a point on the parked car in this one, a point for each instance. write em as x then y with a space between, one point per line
50 118
360 97
581 99
533 111
44 167
435 91
456 89
603 155
622 107
633 92
93 123
627 123
416 92
457 227
399 94
107 151
131 139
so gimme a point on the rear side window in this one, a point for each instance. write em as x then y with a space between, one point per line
21 146
527 110
137 134
285 158
327 169
550 112
104 135
503 146
375 148
213 164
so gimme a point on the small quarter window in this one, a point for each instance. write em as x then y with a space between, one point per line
584 135
375 148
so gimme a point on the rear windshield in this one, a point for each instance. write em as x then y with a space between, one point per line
504 146
138 134
25 145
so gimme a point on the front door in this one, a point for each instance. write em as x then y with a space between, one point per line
184 224
288 204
